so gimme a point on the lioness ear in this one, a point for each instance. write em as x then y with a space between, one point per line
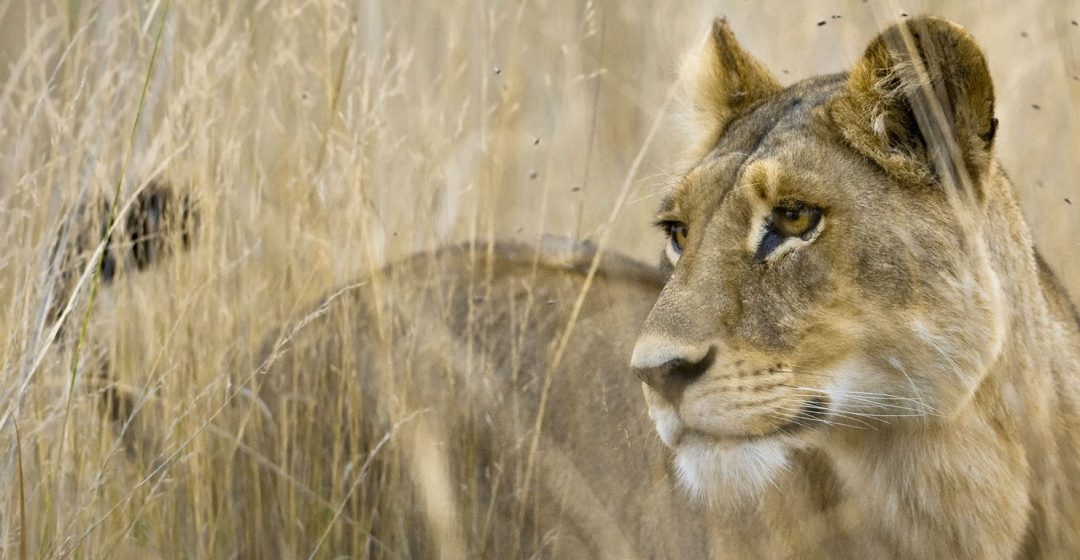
720 79
920 103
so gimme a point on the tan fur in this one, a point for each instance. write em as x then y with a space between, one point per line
719 79
899 383
446 355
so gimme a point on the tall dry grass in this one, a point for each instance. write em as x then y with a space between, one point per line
323 138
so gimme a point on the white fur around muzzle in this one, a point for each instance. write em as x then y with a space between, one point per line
729 474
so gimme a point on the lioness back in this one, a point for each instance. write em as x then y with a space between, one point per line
447 357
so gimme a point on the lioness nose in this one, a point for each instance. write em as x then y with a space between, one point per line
669 368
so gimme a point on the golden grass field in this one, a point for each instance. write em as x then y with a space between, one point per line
321 139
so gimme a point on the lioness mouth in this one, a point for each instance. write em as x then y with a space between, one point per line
815 410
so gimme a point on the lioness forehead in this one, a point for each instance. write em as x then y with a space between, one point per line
765 128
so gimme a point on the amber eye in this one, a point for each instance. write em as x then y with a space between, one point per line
795 220
677 232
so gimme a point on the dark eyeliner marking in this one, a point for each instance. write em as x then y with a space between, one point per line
769 242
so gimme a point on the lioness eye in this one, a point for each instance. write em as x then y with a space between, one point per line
677 232
795 220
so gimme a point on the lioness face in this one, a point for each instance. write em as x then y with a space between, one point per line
825 274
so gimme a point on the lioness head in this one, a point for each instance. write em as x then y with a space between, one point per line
826 270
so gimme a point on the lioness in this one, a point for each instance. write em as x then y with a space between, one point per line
854 309
853 351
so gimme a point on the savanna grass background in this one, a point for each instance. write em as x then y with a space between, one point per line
323 138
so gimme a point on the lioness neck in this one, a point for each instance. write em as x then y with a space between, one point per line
993 478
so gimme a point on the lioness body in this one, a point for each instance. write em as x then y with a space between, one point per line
449 354
854 353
